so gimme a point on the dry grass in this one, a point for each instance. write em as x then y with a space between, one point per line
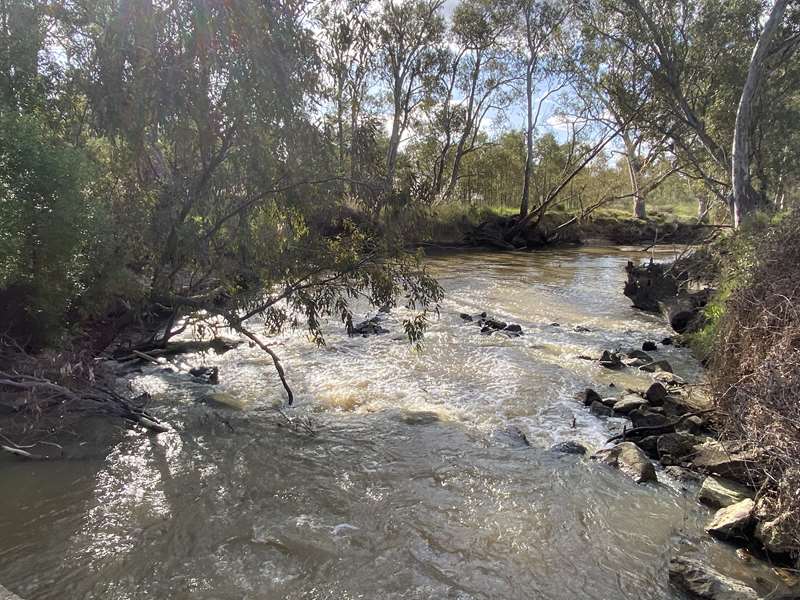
756 369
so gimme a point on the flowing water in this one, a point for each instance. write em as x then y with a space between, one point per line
411 487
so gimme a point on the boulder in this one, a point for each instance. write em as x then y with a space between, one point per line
673 447
611 360
640 355
208 375
667 341
701 581
669 379
683 475
713 458
630 459
570 447
601 410
589 396
778 535
693 424
610 401
494 324
514 328
650 445
647 418
720 493
656 394
649 346
733 521
466 317
628 403
658 365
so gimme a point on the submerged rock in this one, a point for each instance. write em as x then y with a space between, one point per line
720 493
629 458
570 447
208 375
733 521
701 581
516 435
658 365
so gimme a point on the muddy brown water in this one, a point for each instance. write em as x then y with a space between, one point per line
410 488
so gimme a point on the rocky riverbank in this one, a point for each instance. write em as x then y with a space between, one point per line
675 430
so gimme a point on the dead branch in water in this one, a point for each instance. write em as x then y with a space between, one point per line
94 399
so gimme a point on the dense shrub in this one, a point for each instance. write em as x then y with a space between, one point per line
43 227
756 365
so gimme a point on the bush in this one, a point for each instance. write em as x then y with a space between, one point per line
756 365
43 223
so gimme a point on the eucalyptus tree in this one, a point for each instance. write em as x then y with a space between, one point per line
538 24
474 83
220 190
347 38
694 56
745 199
410 34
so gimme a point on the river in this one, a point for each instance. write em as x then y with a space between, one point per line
410 487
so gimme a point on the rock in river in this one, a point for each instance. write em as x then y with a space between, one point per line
601 410
656 394
365 328
674 447
701 581
649 346
629 458
719 493
209 375
570 447
589 396
628 403
658 365
733 521
611 360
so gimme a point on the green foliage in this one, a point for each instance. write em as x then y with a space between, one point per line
44 219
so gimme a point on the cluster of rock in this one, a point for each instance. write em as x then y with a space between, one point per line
490 325
366 328
668 430
637 359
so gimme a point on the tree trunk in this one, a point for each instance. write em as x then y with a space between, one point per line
744 197
639 208
526 184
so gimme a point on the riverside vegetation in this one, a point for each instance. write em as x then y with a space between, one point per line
248 168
